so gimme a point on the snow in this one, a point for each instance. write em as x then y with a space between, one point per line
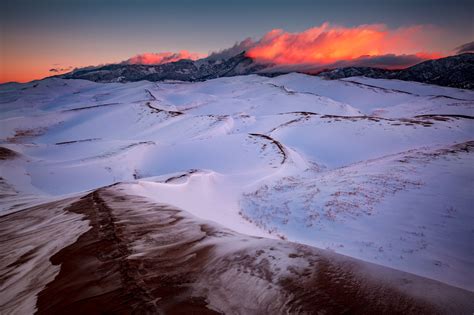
208 195
345 164
397 210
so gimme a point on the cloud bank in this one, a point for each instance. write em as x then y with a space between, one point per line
324 47
365 45
162 57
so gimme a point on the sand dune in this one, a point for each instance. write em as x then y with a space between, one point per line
143 257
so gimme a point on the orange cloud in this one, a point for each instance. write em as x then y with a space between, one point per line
327 44
163 57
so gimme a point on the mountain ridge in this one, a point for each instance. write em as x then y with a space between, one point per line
453 71
182 70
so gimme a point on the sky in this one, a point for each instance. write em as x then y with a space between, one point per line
59 35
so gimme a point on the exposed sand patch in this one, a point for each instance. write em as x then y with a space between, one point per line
7 154
28 239
143 257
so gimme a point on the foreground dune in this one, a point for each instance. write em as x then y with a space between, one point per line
109 251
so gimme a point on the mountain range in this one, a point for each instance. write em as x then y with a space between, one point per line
454 71
182 70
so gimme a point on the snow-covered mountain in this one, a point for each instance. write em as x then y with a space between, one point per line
244 194
455 71
182 70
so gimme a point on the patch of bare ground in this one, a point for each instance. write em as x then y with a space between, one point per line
6 189
394 122
290 122
140 257
7 154
22 134
76 141
419 120
91 107
184 175
423 120
168 112
303 113
453 150
444 117
119 150
280 147
379 88
158 110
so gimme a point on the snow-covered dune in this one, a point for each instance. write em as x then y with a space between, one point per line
379 170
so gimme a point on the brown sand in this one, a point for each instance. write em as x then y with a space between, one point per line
7 154
140 257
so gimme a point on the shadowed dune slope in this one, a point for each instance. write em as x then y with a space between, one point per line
138 256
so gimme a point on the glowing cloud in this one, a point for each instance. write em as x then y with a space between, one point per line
327 45
466 48
162 57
